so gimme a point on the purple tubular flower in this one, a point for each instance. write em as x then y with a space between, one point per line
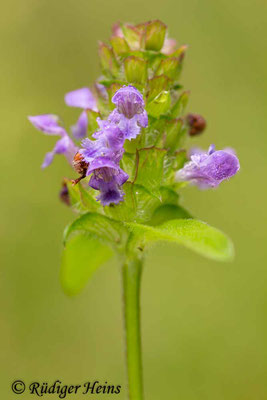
207 170
81 98
107 177
129 114
109 142
48 124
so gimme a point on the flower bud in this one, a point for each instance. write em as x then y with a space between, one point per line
196 123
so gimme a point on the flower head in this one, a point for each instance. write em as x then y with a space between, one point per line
209 169
49 124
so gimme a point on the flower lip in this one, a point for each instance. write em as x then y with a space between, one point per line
107 170
111 194
81 98
47 123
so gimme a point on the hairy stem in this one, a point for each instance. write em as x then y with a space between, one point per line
132 271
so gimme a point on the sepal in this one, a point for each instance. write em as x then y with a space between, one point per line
108 61
155 35
135 69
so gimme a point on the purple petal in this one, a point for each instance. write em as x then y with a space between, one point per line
63 146
129 127
102 162
91 149
211 149
48 159
79 130
82 98
47 123
110 194
142 119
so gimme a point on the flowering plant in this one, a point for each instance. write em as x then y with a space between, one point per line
128 149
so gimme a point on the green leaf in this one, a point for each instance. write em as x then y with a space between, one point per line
167 212
191 233
107 229
168 195
81 199
82 255
128 164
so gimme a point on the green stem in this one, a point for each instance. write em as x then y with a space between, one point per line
132 271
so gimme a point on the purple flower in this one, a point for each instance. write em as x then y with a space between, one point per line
48 123
81 98
209 169
129 114
107 177
109 143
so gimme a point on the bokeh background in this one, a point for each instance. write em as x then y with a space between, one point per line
203 323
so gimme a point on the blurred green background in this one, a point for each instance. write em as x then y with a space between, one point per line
203 323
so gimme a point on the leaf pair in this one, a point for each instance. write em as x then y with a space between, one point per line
92 239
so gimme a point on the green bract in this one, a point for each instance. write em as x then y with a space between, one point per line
150 211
